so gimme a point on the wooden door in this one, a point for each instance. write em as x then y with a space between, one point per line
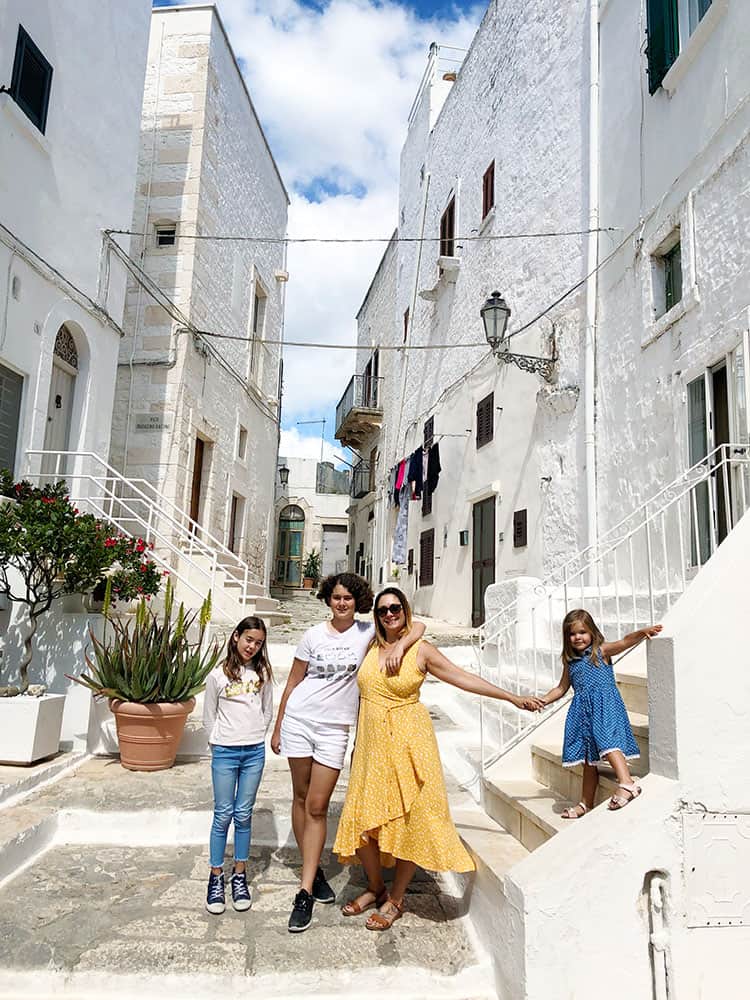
483 556
197 484
59 414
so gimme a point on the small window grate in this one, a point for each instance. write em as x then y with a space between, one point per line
166 236
485 420
488 190
65 347
520 529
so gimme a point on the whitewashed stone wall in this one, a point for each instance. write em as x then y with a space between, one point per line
204 164
524 112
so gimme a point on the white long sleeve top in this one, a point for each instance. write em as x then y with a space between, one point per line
237 713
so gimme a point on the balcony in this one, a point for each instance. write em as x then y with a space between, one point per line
362 483
359 412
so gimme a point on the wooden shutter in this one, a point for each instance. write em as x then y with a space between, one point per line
11 389
448 230
428 435
520 529
485 420
488 189
410 562
406 324
426 558
663 40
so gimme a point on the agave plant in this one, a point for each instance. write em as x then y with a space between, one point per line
151 658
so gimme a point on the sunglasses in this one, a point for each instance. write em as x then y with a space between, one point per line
388 609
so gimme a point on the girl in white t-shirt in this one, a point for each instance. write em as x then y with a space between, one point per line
318 706
237 711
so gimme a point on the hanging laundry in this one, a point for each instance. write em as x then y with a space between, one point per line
392 494
401 474
433 467
415 476
425 455
398 553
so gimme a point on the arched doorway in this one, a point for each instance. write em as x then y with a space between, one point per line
289 546
61 394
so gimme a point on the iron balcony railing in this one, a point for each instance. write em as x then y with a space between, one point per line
361 479
362 393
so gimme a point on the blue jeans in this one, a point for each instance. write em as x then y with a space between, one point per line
236 774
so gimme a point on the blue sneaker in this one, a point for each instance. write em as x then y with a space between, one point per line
241 898
215 896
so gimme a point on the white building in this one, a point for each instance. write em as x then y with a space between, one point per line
311 514
69 135
196 416
507 501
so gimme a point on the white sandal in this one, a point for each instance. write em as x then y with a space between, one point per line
572 811
620 801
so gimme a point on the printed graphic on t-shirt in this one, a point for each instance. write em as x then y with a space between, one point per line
237 688
329 661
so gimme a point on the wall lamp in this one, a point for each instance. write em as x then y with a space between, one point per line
284 476
495 314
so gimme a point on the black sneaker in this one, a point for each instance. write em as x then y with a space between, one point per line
241 898
321 890
215 896
301 916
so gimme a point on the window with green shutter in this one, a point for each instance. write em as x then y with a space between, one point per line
11 388
662 26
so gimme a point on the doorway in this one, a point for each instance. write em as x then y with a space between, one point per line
60 403
709 427
236 519
483 556
197 483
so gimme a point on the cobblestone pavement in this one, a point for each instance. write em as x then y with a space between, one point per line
307 610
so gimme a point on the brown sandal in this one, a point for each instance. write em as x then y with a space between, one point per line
380 922
354 908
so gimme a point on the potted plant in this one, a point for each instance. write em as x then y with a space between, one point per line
151 670
311 570
48 548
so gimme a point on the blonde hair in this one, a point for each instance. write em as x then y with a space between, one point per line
380 636
572 618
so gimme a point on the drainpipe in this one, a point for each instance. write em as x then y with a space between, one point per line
589 377
660 938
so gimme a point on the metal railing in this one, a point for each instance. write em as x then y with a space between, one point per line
192 554
361 479
638 570
362 393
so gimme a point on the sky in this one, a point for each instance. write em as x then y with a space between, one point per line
332 83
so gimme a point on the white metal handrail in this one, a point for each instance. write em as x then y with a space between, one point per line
639 569
125 505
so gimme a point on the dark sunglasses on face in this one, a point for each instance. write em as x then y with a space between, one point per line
388 609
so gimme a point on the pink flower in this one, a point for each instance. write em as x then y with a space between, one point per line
48 499
109 542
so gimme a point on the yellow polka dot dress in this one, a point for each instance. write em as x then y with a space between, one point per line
396 788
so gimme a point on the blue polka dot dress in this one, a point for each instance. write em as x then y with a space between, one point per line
597 721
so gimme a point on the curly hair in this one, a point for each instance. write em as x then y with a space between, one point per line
357 586
260 663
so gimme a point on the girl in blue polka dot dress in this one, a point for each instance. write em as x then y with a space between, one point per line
597 727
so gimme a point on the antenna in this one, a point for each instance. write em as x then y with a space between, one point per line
322 432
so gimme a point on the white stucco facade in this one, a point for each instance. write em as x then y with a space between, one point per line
59 188
198 416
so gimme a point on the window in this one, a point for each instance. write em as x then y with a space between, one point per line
448 230
406 324
485 420
520 529
669 25
428 436
488 190
11 386
373 466
371 383
31 81
667 275
166 235
242 443
410 562
258 320
427 558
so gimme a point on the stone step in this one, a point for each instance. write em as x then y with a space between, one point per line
634 690
548 769
252 589
527 809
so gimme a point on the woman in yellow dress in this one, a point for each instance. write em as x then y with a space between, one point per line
396 807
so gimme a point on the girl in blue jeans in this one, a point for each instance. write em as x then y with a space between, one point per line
237 711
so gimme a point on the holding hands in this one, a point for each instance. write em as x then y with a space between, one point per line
529 703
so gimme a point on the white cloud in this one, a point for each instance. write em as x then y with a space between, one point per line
293 444
333 86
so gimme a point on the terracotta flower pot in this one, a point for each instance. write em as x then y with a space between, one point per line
149 734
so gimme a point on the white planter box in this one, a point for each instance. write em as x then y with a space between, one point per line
30 728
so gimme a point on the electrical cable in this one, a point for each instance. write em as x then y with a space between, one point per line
229 238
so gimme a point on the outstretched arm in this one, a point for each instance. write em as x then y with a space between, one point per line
442 668
560 689
394 657
296 676
610 649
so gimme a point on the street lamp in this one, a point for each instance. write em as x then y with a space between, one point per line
283 476
495 314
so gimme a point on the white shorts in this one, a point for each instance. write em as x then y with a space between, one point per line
323 742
